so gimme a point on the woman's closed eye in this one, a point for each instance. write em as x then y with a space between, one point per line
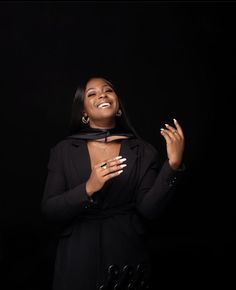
91 94
108 90
94 93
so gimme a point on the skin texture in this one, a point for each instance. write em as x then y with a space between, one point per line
98 91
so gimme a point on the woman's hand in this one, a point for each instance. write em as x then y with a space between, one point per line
174 144
102 172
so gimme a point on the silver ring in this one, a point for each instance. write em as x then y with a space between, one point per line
104 166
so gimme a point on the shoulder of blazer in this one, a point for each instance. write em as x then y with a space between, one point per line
148 148
67 142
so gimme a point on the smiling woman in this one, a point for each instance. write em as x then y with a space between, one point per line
104 182
86 94
100 104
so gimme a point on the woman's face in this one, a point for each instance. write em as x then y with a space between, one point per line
100 101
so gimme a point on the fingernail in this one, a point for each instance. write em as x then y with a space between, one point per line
166 125
162 129
175 120
123 159
118 157
123 165
120 171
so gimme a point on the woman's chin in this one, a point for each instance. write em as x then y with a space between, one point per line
106 115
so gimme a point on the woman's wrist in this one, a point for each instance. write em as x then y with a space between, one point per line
175 165
88 189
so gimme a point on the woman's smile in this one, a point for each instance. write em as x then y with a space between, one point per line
104 105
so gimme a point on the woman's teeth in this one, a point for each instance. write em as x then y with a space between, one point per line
104 105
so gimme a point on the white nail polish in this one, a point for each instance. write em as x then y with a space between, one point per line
120 171
123 159
118 157
123 165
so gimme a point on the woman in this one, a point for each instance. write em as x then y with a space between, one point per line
103 183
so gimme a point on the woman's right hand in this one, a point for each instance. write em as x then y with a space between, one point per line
102 172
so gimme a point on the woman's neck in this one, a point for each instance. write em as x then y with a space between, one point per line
102 125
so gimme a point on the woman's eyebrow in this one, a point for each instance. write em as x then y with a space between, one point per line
89 89
95 88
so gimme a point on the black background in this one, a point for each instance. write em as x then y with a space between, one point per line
169 60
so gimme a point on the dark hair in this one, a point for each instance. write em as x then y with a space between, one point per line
76 123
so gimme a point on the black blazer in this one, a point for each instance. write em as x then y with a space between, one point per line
108 230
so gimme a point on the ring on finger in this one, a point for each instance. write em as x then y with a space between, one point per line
175 132
104 166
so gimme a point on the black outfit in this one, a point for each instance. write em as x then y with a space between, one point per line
109 230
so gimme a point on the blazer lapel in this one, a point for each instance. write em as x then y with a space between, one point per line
80 161
128 151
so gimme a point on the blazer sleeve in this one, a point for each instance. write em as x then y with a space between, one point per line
157 186
60 204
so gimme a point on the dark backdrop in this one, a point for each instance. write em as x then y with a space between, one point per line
168 60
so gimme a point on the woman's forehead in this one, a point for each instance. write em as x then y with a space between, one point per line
96 82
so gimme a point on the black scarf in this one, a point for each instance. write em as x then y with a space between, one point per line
96 133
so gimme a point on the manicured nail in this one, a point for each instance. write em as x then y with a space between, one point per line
167 125
162 129
175 120
123 165
118 157
120 171
123 159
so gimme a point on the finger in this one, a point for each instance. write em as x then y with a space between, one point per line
166 136
101 164
114 159
112 169
179 129
113 163
112 166
173 131
171 135
112 175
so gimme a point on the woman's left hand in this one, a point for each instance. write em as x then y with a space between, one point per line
174 144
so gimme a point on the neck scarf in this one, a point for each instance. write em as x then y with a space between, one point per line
103 135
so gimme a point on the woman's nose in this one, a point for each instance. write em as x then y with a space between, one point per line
102 95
